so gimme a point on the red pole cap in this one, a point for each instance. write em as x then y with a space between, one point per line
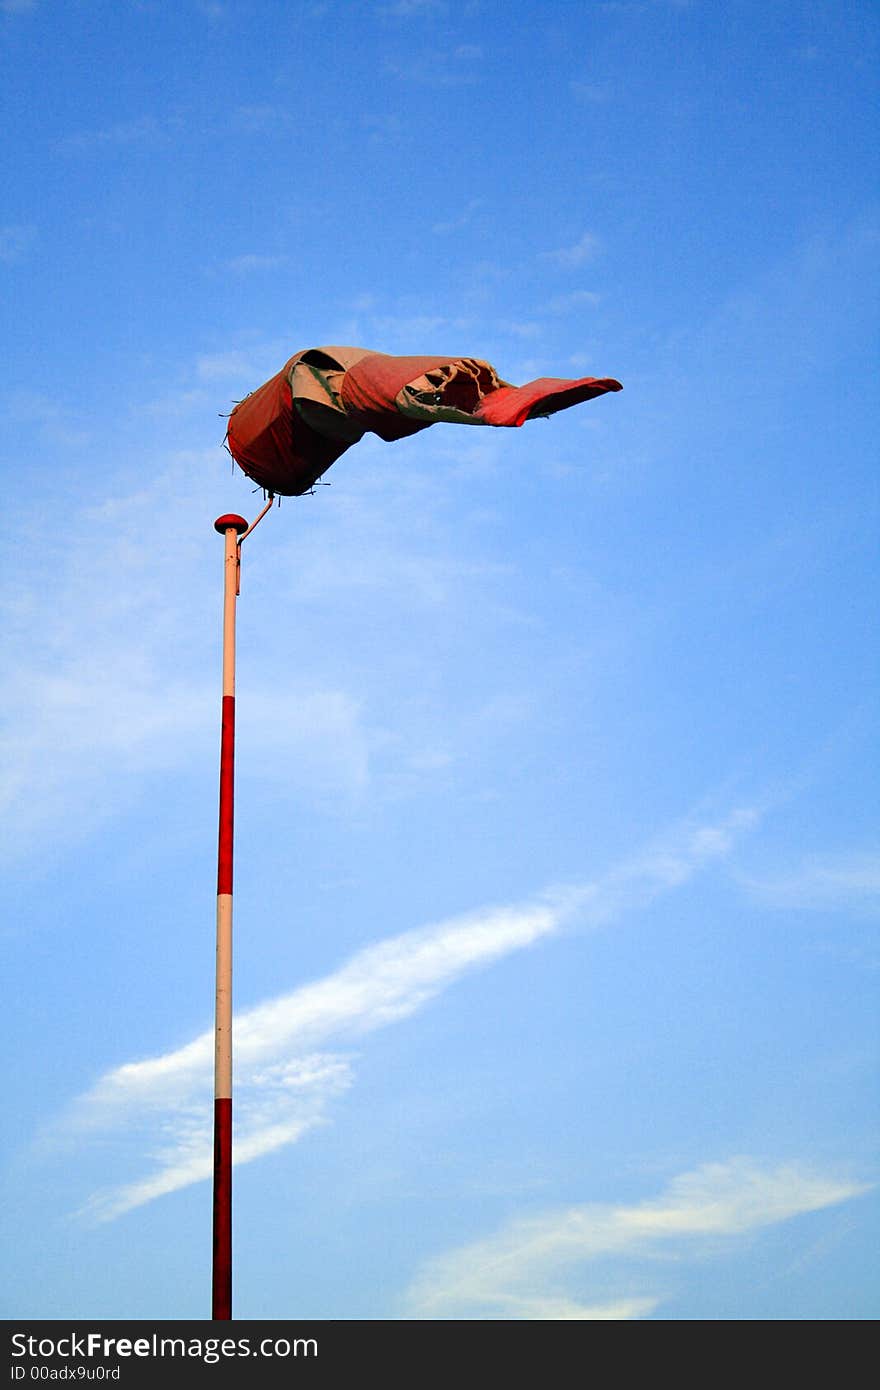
223 523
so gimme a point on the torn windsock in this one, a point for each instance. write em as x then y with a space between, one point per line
289 431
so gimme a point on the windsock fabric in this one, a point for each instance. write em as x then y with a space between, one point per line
289 431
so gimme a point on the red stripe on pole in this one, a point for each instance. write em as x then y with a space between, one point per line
221 1304
227 795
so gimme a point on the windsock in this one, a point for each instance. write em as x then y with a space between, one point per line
288 432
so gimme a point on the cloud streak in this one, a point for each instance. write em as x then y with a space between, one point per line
15 242
514 1273
253 261
571 257
142 130
288 1071
844 882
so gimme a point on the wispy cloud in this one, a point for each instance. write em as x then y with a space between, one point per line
55 424
570 257
246 264
842 882
411 9
593 93
386 130
142 130
15 242
521 328
440 67
286 1078
233 364
397 332
642 6
283 1084
515 1273
577 299
462 220
258 117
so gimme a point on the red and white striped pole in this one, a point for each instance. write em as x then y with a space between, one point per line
221 1305
235 529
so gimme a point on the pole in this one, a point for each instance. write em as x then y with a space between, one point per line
221 1307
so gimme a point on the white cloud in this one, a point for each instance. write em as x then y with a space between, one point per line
233 364
284 1086
286 1079
578 299
410 328
141 130
515 1272
439 67
594 93
410 9
15 241
255 119
386 130
250 262
570 257
521 328
463 219
823 884
56 425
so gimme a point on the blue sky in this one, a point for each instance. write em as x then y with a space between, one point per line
558 857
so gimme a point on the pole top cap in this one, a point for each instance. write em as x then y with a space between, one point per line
223 523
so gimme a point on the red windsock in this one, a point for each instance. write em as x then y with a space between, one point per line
289 431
